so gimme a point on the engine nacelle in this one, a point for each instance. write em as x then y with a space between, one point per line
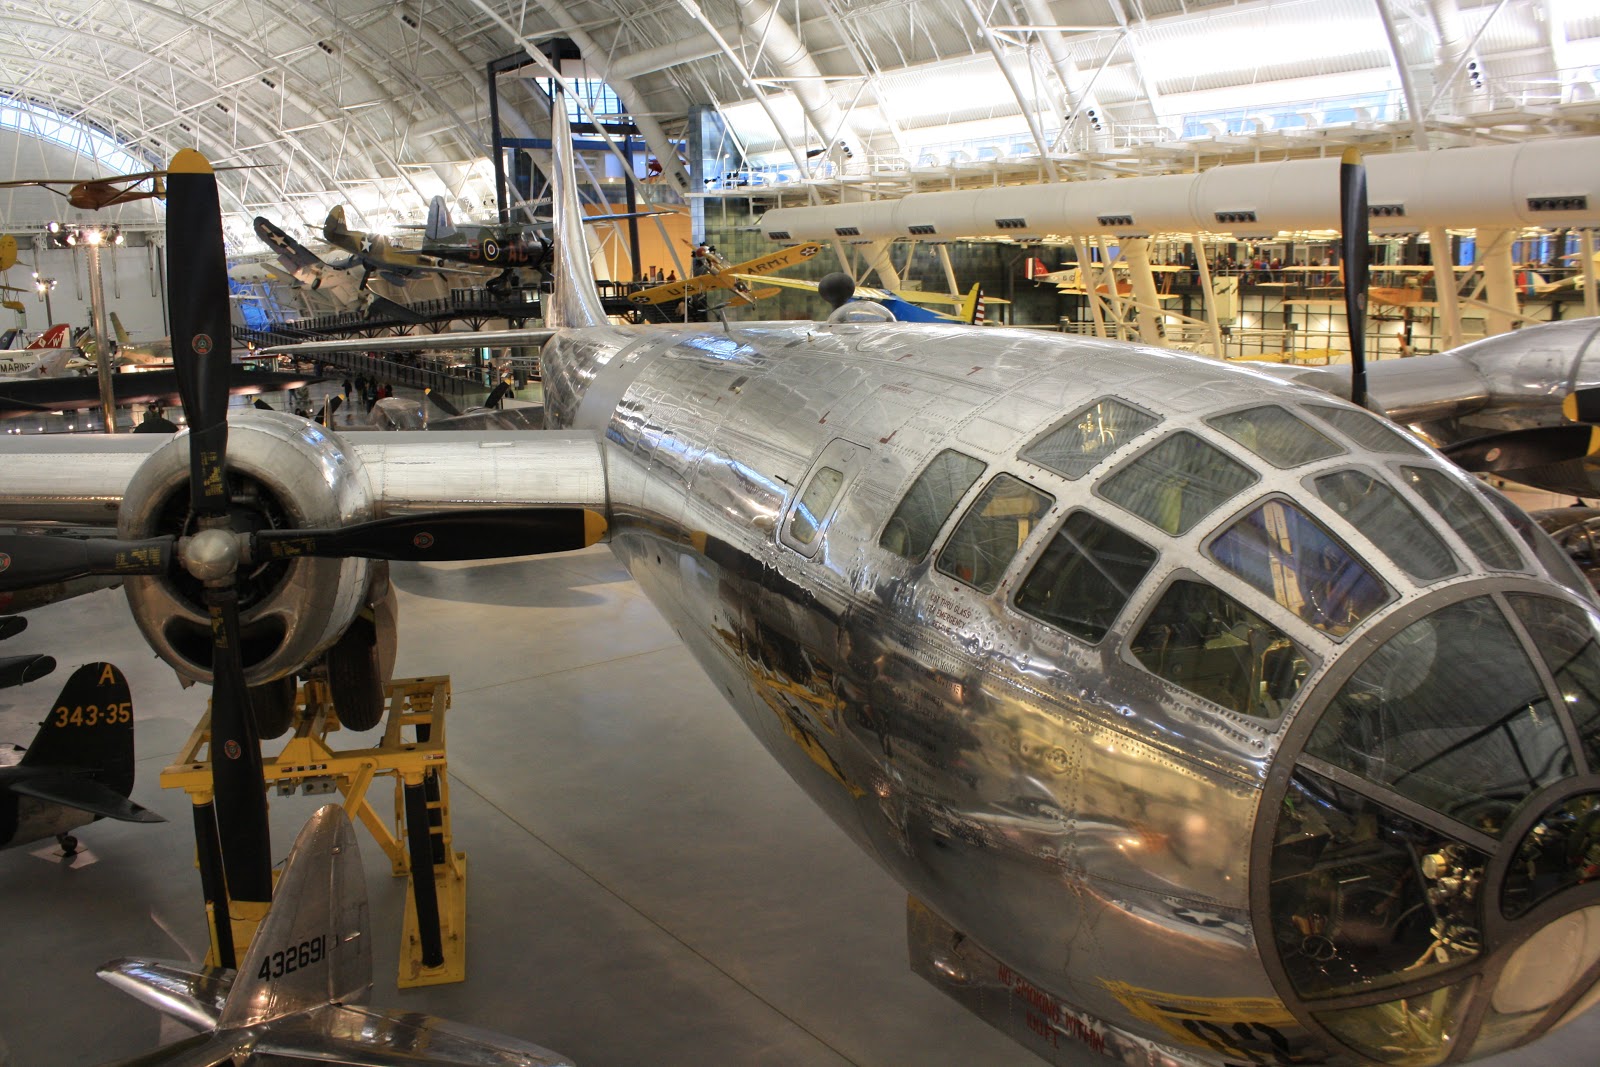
283 473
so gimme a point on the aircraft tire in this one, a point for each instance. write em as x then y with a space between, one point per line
354 677
273 705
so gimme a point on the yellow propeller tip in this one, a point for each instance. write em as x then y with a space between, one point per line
1569 407
1594 440
1352 156
594 527
188 161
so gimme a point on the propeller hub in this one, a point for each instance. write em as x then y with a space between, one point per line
212 556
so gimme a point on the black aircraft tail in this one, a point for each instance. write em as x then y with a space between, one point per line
89 728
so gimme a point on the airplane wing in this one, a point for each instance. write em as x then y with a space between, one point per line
660 294
777 260
415 343
367 1037
862 291
38 395
85 794
191 993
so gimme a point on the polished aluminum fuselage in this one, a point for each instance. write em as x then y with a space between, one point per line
1085 821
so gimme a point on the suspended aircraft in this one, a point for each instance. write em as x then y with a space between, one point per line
904 304
732 278
509 248
1206 718
92 194
46 357
376 253
344 284
300 994
79 767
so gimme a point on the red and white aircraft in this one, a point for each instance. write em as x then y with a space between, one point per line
46 357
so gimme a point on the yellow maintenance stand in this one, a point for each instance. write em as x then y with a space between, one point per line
416 837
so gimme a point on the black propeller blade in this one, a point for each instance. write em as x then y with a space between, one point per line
197 287
1353 251
442 403
1516 450
447 535
29 560
12 625
202 349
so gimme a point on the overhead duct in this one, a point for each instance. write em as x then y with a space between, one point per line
788 55
1552 184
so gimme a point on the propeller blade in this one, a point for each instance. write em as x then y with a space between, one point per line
442 403
202 340
236 776
1516 450
30 560
1582 405
12 625
1353 252
446 535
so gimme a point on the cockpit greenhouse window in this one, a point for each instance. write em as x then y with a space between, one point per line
1177 481
1368 431
1371 506
1467 516
1200 638
1275 435
911 530
981 548
1287 555
1075 447
1085 577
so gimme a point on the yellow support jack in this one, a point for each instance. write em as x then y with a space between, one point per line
417 839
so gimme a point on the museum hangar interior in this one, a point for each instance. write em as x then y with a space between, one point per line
648 885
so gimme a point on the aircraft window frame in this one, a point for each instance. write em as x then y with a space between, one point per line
1385 544
973 515
1135 470
1269 450
1475 524
1153 605
1062 536
1421 743
1084 462
1367 430
1271 580
944 520
840 455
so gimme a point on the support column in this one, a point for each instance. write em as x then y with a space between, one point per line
1086 279
1500 277
1147 302
1113 298
1444 284
1586 250
102 342
877 256
1208 299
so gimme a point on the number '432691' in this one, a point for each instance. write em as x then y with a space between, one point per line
293 958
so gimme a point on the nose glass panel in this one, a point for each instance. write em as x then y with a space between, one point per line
1561 851
1449 713
1414 1031
1363 896
1565 637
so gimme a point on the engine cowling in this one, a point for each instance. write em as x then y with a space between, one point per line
284 473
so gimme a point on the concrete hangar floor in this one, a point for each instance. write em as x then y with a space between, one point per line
646 886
